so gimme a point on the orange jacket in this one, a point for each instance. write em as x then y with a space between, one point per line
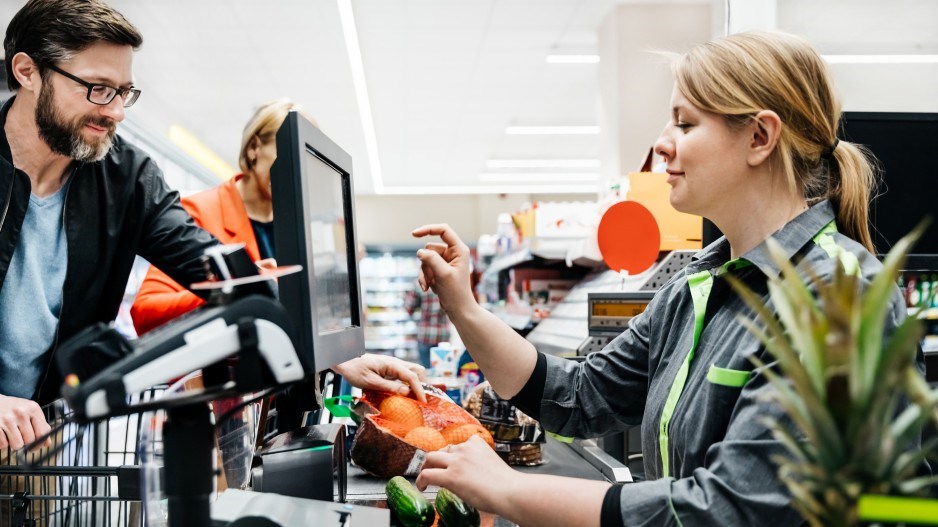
218 210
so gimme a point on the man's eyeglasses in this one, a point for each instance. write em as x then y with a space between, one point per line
101 94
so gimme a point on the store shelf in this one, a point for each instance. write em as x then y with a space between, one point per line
386 281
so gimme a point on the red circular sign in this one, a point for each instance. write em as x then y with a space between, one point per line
629 238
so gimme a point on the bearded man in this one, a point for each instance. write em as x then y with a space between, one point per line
77 203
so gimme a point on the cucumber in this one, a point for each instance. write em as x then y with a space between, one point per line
454 512
408 504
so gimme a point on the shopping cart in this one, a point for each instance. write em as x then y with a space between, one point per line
235 424
88 477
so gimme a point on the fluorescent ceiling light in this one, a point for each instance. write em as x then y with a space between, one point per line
572 59
881 59
361 91
552 130
204 155
495 189
542 163
534 177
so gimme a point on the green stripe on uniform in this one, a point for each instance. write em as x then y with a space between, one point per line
562 439
894 509
700 285
825 240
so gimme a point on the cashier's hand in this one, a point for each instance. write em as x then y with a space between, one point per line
21 422
380 372
445 267
474 472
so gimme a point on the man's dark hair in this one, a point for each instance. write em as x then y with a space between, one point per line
51 31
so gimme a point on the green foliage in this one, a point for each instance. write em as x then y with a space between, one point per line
842 386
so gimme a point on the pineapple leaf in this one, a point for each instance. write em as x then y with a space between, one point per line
843 387
917 485
875 303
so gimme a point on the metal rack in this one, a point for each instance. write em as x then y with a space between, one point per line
87 475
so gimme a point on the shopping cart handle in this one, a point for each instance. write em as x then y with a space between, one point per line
255 328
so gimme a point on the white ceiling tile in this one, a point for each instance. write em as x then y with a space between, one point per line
445 77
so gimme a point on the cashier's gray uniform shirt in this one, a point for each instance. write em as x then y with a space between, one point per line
719 451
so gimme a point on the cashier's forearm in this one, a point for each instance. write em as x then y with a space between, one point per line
505 358
547 501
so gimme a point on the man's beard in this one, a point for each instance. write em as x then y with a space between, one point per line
65 138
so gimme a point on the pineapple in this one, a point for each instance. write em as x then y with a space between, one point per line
841 386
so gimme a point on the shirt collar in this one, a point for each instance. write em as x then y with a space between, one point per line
793 236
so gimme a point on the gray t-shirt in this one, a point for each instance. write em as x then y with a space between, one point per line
31 295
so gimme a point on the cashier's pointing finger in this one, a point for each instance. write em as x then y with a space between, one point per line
444 267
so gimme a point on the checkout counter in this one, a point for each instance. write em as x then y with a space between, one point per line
559 460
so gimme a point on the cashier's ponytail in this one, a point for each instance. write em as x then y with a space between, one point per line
742 74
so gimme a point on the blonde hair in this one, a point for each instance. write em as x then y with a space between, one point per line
263 127
739 75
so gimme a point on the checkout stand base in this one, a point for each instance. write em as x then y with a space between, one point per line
238 508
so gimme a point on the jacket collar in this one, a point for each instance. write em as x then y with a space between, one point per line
793 236
5 152
232 210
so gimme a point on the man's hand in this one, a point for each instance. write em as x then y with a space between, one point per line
21 422
380 372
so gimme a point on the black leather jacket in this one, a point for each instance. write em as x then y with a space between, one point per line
115 209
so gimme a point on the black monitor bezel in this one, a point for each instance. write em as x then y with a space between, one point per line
296 138
843 132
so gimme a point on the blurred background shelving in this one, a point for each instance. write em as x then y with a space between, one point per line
387 278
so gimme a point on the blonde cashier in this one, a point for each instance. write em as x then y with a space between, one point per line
751 145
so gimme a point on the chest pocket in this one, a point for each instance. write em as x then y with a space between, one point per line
727 377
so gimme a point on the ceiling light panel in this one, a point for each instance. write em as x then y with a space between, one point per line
537 177
881 59
572 59
552 130
542 163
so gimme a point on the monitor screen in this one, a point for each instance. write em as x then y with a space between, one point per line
327 241
314 226
904 144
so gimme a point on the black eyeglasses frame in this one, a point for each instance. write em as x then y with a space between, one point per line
128 95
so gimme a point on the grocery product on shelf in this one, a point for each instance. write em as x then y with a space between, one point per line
517 436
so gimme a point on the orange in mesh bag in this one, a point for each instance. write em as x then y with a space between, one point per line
386 447
456 434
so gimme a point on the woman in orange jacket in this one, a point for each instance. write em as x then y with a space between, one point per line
241 211
237 211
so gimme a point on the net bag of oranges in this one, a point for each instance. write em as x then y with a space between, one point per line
395 432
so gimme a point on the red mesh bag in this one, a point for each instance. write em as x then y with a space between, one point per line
379 447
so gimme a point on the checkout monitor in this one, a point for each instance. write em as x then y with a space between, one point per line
313 200
904 144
